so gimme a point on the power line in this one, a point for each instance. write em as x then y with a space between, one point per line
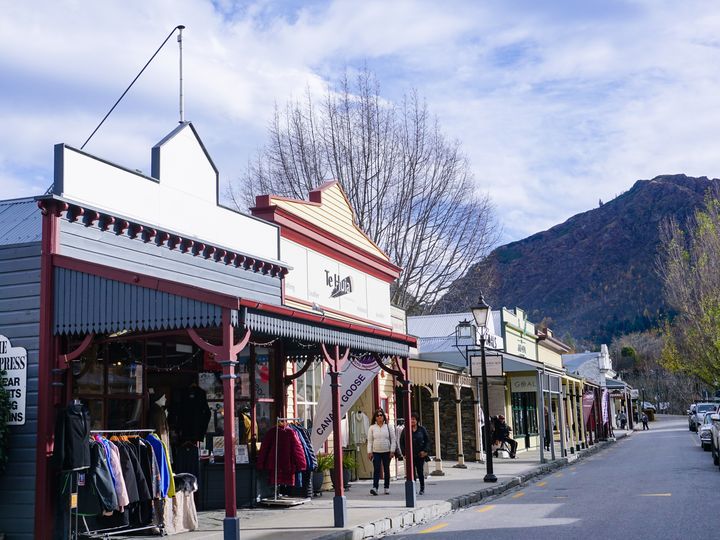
179 27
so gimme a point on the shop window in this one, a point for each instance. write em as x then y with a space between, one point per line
89 373
307 393
524 417
125 369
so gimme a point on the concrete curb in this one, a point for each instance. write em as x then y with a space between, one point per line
417 515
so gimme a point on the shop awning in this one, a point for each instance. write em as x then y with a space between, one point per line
285 327
85 303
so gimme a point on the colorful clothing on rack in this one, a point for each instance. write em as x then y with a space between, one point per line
120 487
96 490
282 455
167 483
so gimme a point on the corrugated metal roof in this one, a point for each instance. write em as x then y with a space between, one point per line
20 221
85 303
444 325
279 326
572 362
436 325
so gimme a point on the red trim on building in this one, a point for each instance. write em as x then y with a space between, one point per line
317 319
232 302
46 362
309 235
338 312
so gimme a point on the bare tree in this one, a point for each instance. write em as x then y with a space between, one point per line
412 189
689 270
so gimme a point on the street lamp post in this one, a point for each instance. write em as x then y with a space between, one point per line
481 313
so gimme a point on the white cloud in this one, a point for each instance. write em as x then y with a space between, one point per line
557 104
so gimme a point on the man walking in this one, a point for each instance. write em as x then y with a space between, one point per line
644 420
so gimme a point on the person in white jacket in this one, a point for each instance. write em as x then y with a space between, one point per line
381 446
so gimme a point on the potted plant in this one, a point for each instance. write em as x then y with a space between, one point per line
325 463
4 429
349 465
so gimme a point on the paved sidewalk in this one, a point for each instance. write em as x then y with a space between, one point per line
370 516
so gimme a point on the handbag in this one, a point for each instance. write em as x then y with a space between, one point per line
398 454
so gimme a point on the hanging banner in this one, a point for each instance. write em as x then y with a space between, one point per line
13 362
605 407
355 376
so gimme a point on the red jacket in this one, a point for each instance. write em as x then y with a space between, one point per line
290 455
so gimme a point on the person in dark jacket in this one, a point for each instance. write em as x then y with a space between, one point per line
503 435
420 448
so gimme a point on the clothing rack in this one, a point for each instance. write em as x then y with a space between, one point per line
107 533
101 431
286 501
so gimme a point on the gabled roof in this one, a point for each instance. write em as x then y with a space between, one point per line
326 223
330 209
20 221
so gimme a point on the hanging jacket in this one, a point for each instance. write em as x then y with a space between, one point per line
167 483
71 450
310 456
128 472
190 414
290 455
106 446
120 488
145 465
96 493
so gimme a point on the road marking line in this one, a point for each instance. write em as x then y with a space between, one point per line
558 475
656 494
518 495
541 484
435 528
560 497
486 508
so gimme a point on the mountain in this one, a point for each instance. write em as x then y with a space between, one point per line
592 277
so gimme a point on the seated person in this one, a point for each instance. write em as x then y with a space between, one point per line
502 434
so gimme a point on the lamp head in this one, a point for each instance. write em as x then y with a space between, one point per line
481 312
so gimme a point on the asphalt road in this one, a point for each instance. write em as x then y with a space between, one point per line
656 484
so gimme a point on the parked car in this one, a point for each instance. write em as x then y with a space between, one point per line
715 437
697 414
704 431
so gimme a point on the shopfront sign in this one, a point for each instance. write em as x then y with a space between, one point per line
339 287
319 283
181 197
526 383
493 365
355 376
13 362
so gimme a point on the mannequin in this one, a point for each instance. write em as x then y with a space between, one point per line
158 418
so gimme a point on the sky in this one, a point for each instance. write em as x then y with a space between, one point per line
557 104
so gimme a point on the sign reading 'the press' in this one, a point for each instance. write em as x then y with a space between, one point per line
13 361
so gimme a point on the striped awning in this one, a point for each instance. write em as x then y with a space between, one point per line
85 303
286 327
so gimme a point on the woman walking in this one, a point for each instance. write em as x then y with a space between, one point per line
381 445
420 446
